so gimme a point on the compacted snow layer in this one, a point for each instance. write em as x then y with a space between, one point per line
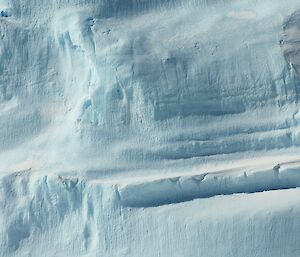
149 128
65 216
132 83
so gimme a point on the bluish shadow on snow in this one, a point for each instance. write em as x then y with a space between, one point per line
181 189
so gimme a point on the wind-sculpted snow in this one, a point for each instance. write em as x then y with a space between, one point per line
149 128
138 82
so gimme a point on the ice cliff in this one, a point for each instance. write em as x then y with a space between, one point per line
149 128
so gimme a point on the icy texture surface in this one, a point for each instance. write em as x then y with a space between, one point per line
149 128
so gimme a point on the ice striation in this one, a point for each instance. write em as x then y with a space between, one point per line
149 128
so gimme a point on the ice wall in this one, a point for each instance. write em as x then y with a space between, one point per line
149 128
146 81
64 216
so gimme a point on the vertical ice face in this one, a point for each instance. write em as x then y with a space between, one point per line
149 128
147 80
290 42
180 79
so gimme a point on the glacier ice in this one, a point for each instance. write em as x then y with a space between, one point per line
149 128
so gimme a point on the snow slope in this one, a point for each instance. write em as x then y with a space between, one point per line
149 128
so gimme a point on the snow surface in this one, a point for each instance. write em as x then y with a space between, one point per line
149 128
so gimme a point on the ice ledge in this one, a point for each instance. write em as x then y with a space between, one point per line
185 188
